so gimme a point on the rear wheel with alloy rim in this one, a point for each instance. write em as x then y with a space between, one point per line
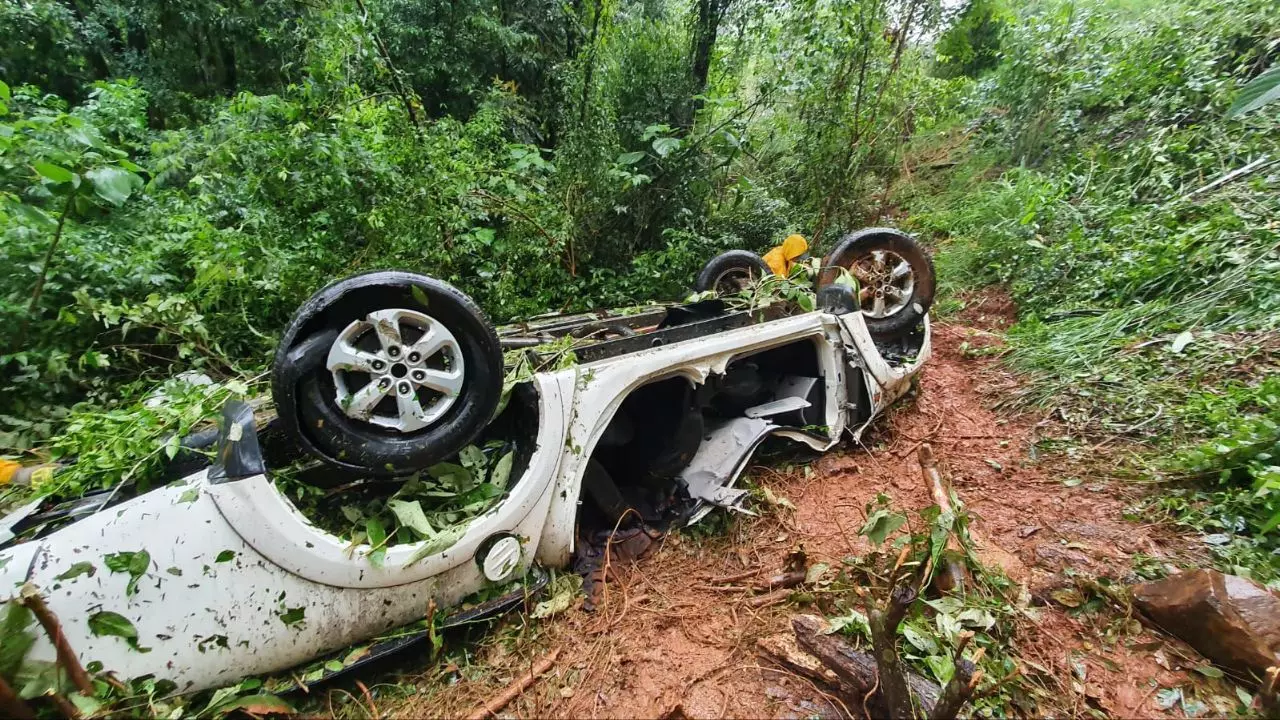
895 278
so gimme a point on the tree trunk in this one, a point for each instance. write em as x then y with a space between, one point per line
48 258
706 26
591 60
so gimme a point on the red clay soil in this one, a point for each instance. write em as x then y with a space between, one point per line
665 644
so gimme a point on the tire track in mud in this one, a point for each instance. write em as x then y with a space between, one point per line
664 643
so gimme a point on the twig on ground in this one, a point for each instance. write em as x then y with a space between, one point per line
728 579
817 687
373 709
723 588
784 580
512 691
1014 673
773 598
868 695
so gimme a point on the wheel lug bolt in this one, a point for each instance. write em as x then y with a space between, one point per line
404 388
414 357
393 351
384 383
419 375
377 364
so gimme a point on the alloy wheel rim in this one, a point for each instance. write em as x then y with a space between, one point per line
886 283
397 369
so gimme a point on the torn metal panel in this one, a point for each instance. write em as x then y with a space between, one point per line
720 460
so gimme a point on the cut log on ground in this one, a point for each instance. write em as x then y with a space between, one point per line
856 669
783 651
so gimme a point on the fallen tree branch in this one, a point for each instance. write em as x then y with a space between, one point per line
727 579
772 598
30 597
1233 175
512 691
723 588
12 706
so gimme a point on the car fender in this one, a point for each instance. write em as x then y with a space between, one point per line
885 383
275 528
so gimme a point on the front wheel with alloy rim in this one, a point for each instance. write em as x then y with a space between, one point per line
895 278
387 373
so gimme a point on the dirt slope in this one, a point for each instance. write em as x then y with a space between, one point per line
665 643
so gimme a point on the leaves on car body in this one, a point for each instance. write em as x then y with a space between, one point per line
293 615
76 570
133 563
106 623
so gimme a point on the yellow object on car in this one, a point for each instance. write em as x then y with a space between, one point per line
7 470
781 259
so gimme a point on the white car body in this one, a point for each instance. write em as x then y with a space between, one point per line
208 623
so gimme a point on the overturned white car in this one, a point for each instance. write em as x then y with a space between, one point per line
219 576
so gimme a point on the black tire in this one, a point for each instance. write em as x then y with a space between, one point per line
724 272
861 244
306 397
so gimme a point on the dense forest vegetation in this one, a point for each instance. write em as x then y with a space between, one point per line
176 177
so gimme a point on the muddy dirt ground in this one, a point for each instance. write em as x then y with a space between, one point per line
666 644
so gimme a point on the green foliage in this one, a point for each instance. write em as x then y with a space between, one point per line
201 50
108 623
173 184
134 564
168 223
932 629
1260 91
971 46
434 506
1149 292
853 82
130 441
15 628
